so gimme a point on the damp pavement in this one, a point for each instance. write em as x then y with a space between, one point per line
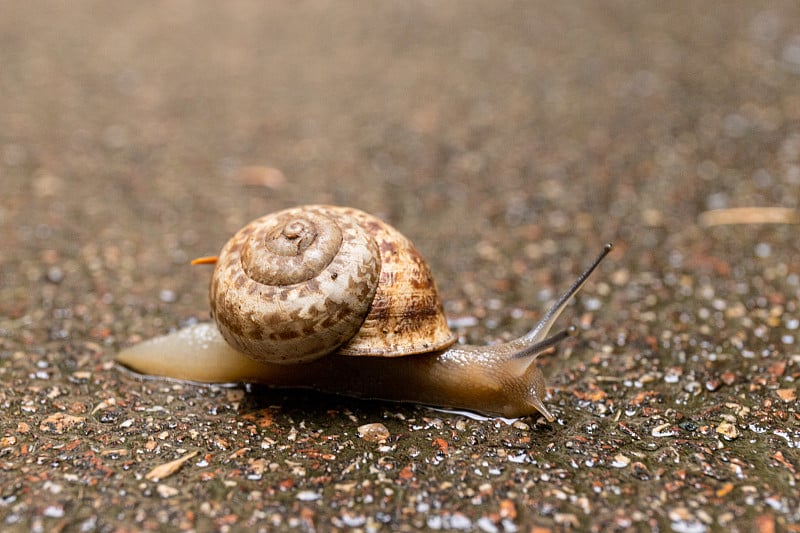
509 142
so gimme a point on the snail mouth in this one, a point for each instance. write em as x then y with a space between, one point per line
537 404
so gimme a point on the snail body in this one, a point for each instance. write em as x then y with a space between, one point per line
341 302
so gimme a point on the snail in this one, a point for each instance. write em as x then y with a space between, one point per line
334 299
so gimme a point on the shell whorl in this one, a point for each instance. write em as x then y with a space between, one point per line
295 285
298 284
406 316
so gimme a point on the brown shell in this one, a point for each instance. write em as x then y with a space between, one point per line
298 284
406 316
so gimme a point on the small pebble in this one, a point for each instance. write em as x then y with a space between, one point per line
307 496
376 432
53 488
462 322
663 430
727 430
566 519
621 461
167 296
53 511
486 524
353 520
763 250
55 275
460 521
787 395
165 491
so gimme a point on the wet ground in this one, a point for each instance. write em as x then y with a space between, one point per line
508 142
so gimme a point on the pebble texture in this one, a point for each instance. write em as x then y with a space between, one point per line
508 141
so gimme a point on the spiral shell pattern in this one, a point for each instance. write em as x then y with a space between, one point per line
295 285
301 283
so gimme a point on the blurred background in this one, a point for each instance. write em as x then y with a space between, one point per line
508 140
161 127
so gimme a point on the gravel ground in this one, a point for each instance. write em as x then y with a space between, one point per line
508 141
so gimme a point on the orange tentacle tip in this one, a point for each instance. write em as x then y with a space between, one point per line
208 260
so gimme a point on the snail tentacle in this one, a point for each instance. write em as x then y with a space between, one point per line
536 349
542 328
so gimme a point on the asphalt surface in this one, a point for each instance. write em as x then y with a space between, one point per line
509 142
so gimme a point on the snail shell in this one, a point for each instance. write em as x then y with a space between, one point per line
298 284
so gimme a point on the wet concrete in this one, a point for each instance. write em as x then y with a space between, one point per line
508 142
